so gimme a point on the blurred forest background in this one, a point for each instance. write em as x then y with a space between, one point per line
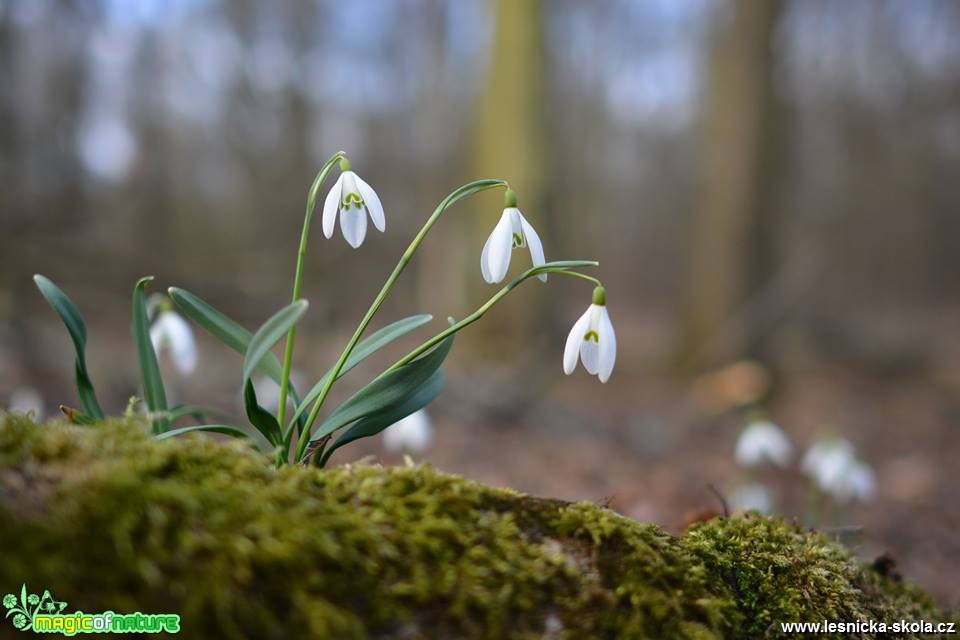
765 181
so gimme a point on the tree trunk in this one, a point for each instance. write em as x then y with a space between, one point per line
733 228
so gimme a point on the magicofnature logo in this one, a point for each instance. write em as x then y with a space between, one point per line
44 614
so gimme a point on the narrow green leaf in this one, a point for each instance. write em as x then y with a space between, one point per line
377 422
214 428
228 332
260 418
270 333
364 349
77 329
153 392
222 328
185 410
386 392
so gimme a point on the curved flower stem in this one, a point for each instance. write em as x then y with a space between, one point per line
298 284
464 191
497 297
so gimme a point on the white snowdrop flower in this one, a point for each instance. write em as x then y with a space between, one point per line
512 232
26 400
171 332
857 482
353 199
752 497
412 434
827 460
760 442
592 340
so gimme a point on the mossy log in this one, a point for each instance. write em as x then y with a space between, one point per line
107 518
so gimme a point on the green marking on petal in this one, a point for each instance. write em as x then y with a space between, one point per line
591 335
351 198
517 240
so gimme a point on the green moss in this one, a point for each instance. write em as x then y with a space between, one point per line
106 518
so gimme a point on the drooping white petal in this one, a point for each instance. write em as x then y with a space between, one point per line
590 356
172 332
372 201
412 434
607 346
330 207
536 247
501 245
827 460
589 349
353 224
485 260
761 442
572 349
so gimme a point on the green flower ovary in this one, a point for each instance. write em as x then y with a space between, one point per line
591 335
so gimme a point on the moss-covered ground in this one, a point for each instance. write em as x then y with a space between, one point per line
108 519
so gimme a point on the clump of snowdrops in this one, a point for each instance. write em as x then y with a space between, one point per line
400 390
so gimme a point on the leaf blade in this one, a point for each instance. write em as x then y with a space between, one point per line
228 332
261 419
153 392
269 333
214 428
375 423
385 392
364 349
77 328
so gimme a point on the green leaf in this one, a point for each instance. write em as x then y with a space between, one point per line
222 328
185 410
270 333
377 422
260 418
228 332
364 349
77 329
386 392
153 392
215 428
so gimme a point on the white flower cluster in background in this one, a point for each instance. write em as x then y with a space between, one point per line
762 442
833 465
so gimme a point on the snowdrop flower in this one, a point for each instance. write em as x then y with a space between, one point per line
512 232
592 340
27 400
412 434
833 465
354 199
762 441
171 332
827 460
752 497
857 482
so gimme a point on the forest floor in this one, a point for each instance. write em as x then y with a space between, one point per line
649 455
